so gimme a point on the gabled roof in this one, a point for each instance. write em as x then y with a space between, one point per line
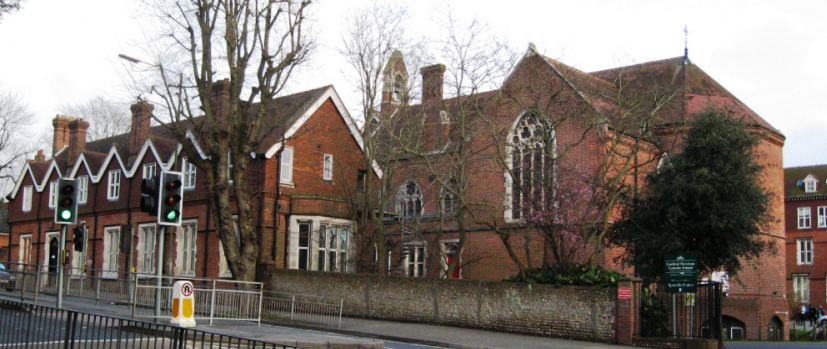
695 89
794 181
291 111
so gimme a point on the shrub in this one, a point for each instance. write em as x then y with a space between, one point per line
577 275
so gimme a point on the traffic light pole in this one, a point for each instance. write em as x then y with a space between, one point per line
60 257
159 273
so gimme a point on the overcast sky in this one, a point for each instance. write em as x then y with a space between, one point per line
767 53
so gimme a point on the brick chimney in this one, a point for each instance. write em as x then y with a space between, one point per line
61 133
77 138
39 157
141 120
220 98
432 76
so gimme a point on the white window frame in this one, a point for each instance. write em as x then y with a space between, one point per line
515 214
111 251
801 287
52 194
286 165
25 252
822 216
415 259
230 167
332 246
804 251
327 167
189 172
315 247
223 268
810 184
149 171
113 189
83 189
27 198
804 217
146 248
186 248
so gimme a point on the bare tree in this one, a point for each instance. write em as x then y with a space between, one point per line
15 135
220 64
373 41
9 6
106 118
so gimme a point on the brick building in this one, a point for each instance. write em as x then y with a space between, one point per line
470 170
805 199
303 187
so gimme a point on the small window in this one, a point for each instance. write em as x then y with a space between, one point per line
810 184
83 189
327 170
822 216
111 251
114 189
304 245
149 171
146 249
804 251
189 173
229 167
409 200
52 194
286 165
187 237
360 181
450 200
27 198
803 217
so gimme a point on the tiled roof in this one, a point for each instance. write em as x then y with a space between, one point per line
695 89
793 181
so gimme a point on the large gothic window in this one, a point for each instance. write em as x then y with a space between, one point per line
531 145
409 200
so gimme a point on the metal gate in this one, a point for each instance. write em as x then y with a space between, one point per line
679 315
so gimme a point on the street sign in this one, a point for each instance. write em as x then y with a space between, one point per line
624 293
681 273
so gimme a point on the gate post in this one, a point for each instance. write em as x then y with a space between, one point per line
626 321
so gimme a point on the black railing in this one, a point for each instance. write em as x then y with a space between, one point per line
24 325
679 315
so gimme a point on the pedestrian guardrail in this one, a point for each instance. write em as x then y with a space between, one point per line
26 325
215 299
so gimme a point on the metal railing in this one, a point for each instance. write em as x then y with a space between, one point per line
679 315
25 325
306 308
216 299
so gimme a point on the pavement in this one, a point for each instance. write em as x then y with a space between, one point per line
356 333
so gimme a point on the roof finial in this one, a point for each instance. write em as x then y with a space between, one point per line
685 59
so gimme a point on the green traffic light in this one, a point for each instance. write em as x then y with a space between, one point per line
172 215
66 215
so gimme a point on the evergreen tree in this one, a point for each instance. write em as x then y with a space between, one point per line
707 200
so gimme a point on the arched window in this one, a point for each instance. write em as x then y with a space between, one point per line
530 165
450 200
398 88
409 200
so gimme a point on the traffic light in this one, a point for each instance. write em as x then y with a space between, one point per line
170 202
149 195
66 209
80 236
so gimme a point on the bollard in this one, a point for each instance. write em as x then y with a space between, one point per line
183 304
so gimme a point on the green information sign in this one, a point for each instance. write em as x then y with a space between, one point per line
681 273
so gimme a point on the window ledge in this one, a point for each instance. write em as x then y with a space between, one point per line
287 184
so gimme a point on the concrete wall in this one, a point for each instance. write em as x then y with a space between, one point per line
568 312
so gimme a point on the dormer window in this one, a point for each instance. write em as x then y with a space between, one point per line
810 184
